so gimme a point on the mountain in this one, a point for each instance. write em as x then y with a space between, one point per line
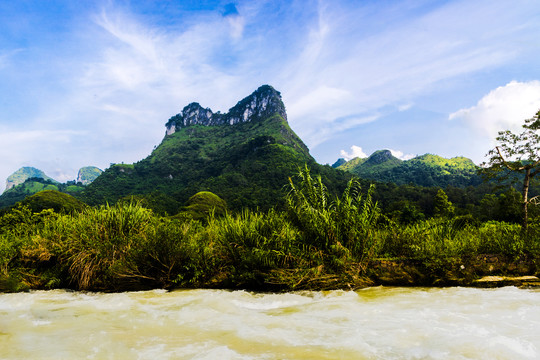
24 173
88 174
425 170
28 181
339 162
244 156
35 185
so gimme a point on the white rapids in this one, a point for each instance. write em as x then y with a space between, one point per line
375 323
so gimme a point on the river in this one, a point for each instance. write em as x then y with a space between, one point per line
375 323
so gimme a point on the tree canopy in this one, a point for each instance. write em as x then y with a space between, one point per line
517 154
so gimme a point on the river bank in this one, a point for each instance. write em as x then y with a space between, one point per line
127 248
481 271
484 270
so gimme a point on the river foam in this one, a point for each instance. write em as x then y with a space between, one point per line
375 323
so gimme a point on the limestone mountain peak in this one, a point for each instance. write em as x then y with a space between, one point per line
261 104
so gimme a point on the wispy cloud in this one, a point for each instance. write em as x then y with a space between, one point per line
367 66
6 56
117 74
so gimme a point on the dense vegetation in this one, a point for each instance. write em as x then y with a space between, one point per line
34 185
426 170
319 241
246 164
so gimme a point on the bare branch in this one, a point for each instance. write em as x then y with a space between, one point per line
505 163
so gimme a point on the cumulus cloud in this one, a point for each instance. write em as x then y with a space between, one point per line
504 108
400 155
356 151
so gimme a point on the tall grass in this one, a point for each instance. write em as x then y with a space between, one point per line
320 241
252 244
445 238
93 244
344 226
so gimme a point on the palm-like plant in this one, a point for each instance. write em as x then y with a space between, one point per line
343 223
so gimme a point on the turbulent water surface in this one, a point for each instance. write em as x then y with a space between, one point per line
375 323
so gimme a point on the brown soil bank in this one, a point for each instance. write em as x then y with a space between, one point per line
480 271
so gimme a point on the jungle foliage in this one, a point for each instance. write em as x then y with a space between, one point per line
319 241
426 170
246 164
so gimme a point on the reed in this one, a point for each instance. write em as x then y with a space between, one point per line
345 226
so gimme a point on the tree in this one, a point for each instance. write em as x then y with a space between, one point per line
517 154
442 207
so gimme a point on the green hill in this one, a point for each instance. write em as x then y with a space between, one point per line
24 173
426 170
52 199
35 185
88 174
244 156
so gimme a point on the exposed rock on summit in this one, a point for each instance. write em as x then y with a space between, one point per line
261 104
88 174
24 173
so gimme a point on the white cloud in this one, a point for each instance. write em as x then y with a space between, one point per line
504 108
401 155
405 107
356 151
34 148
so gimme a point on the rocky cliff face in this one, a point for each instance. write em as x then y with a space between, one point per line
262 103
88 174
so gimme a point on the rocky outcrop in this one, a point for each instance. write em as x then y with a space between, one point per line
24 173
261 104
381 156
88 174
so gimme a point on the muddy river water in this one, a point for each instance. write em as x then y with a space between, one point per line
375 323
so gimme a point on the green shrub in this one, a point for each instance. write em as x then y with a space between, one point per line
340 225
202 205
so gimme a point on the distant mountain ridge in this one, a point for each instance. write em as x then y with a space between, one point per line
27 181
425 170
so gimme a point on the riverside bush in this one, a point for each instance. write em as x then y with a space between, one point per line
319 242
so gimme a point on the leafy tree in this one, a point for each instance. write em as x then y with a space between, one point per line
442 206
517 154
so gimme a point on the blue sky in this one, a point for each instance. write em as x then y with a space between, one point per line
93 82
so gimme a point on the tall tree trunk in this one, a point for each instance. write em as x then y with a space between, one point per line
526 182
